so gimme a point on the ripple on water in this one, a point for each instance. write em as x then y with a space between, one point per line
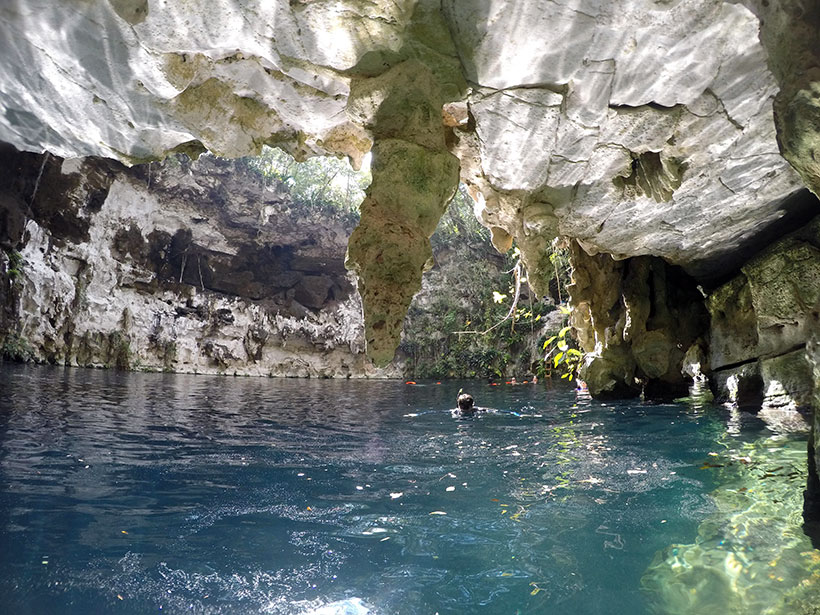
127 492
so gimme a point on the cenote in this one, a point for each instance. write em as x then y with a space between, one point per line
137 493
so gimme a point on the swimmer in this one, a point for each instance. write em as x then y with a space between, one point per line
466 405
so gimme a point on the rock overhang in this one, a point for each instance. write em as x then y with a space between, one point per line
637 128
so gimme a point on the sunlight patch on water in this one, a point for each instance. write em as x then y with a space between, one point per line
351 606
750 555
160 587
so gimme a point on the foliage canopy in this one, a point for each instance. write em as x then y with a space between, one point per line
324 183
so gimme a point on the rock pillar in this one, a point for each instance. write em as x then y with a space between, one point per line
811 496
414 177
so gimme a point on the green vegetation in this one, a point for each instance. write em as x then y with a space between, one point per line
15 264
560 352
464 326
478 318
559 259
13 346
119 351
326 184
459 227
169 356
16 348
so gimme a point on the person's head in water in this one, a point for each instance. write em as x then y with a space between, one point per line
465 403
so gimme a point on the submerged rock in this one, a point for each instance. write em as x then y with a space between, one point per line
750 555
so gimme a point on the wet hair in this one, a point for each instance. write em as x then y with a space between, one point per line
465 402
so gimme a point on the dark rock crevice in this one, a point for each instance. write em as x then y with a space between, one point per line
793 213
636 320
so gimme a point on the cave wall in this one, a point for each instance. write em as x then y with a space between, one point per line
811 501
638 128
684 131
642 324
762 320
182 266
649 327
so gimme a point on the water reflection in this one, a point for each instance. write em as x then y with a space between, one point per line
750 555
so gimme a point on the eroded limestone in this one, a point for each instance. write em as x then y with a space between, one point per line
637 128
766 314
414 177
637 320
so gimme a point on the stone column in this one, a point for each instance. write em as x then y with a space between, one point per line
414 178
811 496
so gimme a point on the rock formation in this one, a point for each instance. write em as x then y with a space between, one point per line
642 128
414 177
762 318
671 140
215 266
189 267
639 319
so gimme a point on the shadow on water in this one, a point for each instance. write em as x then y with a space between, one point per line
220 495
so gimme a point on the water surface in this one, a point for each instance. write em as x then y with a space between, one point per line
139 493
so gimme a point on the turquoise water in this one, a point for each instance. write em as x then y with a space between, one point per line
141 493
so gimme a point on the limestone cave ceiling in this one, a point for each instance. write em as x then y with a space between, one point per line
636 127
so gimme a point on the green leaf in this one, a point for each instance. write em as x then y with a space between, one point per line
549 341
567 375
565 310
575 353
563 346
557 359
564 331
